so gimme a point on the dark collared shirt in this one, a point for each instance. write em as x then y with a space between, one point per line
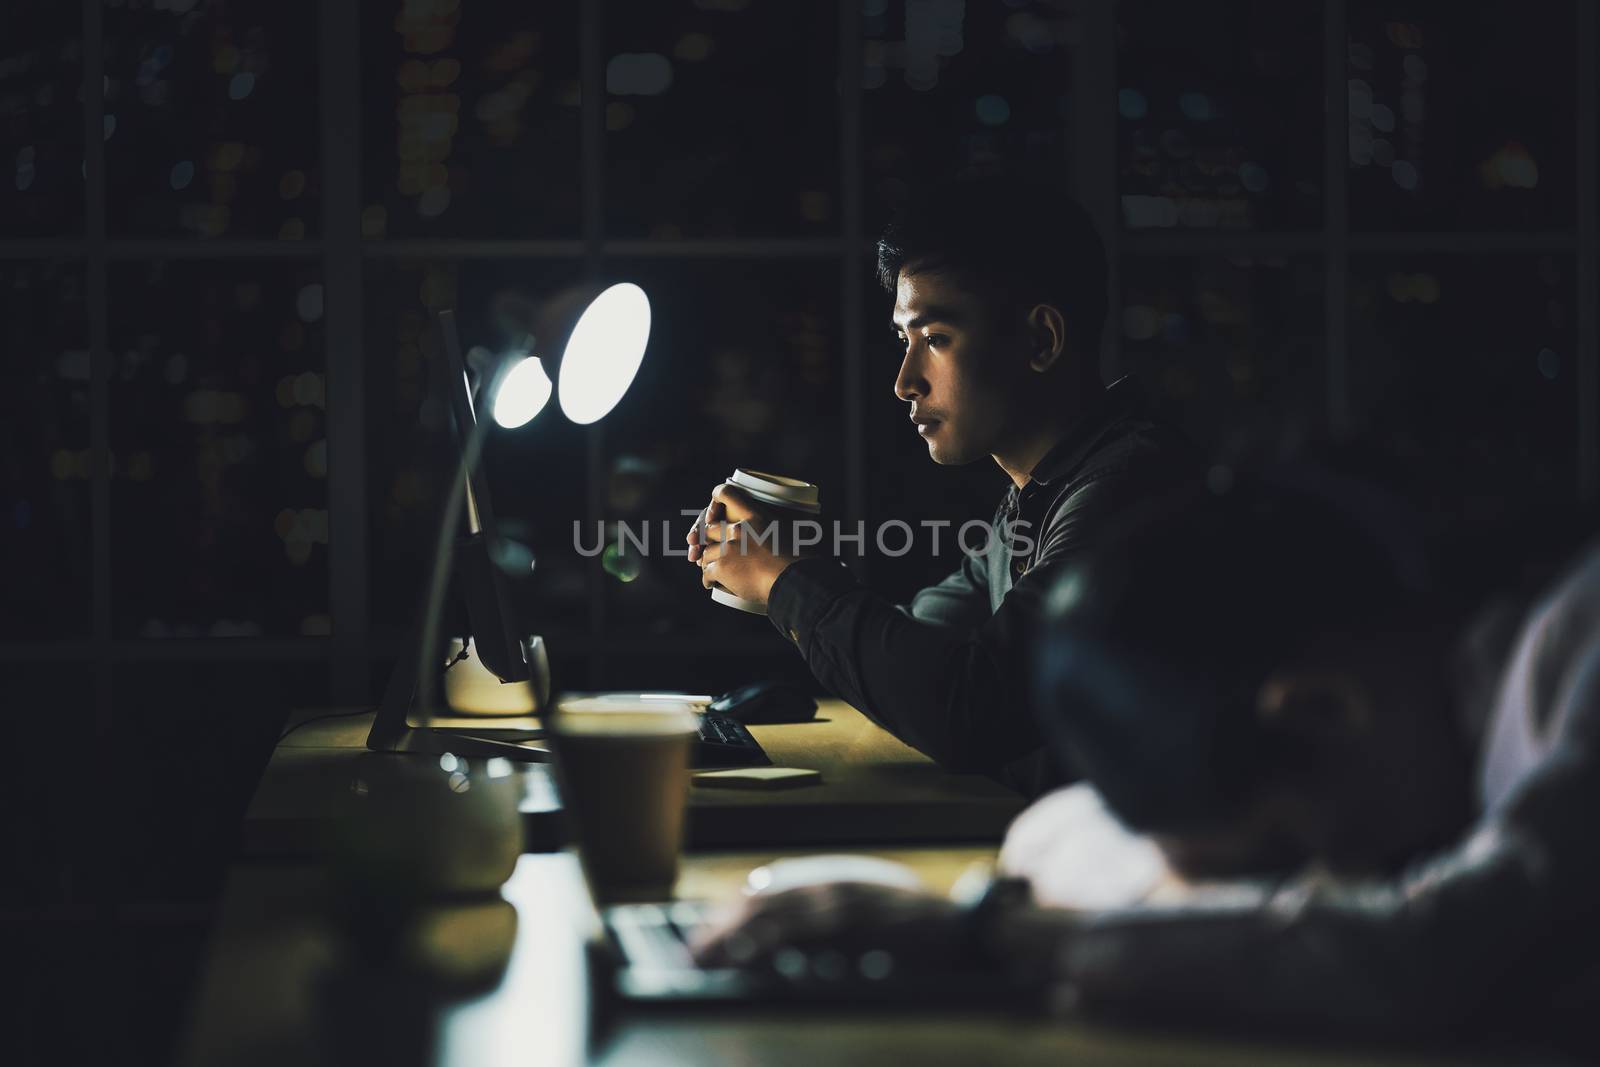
947 673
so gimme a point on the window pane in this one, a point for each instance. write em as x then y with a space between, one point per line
41 118
219 499
537 473
1465 369
1220 114
44 546
1462 115
721 120
211 119
743 370
931 105
1227 347
471 119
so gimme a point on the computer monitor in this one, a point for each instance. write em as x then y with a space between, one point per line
404 723
495 637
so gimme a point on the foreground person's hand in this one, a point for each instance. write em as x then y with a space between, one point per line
851 920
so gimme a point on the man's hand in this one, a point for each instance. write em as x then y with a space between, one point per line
836 925
729 541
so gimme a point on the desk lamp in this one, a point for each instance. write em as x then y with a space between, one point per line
605 343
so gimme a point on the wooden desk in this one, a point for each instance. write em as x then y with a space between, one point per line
283 982
874 789
279 987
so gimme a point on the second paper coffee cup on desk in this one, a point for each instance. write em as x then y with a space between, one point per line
787 501
622 766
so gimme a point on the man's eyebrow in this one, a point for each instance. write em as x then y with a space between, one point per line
932 313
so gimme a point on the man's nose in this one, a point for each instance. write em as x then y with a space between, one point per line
909 384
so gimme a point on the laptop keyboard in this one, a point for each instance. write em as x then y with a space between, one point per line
655 936
725 742
652 964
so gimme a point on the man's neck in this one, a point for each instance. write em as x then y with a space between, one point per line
1022 453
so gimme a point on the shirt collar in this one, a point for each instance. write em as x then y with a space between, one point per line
1116 402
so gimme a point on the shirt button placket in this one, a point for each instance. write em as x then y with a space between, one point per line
1013 510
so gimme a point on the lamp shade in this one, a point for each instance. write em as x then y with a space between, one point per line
603 352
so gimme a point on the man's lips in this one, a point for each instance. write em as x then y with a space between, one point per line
926 424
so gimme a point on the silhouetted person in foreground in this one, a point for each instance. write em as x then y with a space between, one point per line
1294 710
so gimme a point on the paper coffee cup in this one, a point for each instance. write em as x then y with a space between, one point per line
788 498
778 491
622 766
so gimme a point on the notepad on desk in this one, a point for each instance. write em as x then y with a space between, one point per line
758 778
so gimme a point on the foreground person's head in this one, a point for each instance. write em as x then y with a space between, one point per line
1000 297
1250 680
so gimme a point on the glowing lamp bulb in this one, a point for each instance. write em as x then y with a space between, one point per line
523 392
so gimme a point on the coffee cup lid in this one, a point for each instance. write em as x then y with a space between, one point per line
777 489
622 716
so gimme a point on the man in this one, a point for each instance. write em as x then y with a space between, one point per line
1289 709
1000 297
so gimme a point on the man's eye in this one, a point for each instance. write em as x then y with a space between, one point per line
937 340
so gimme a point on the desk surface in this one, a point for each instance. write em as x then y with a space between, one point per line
282 982
873 789
280 987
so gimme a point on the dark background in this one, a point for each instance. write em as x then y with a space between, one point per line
220 405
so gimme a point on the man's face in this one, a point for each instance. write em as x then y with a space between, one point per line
960 373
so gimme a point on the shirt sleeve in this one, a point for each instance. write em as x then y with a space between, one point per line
958 694
1468 936
960 601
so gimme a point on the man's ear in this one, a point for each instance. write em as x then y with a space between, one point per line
1047 334
1329 706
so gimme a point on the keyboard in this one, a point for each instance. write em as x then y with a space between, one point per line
646 958
724 742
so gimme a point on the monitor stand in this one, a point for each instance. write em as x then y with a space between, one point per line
404 725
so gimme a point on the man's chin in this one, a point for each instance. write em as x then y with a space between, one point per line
946 456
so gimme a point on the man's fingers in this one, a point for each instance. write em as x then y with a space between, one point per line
735 504
728 538
712 558
708 527
723 531
710 513
723 522
729 939
754 929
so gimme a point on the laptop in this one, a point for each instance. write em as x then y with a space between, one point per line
644 961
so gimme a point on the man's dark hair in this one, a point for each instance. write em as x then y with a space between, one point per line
1017 239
